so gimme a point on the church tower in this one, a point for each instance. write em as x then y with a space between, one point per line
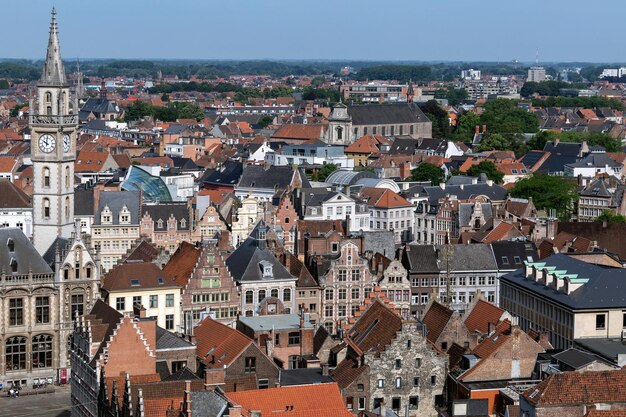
53 121
340 126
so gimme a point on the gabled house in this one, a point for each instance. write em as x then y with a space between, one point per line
228 355
387 362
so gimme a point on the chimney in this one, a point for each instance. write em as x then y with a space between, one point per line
491 328
187 394
213 377
484 129
556 141
442 185
234 411
325 369
477 129
347 228
382 409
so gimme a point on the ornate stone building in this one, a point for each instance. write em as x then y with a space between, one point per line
40 295
166 224
53 122
347 282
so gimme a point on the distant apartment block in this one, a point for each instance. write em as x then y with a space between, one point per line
536 74
375 92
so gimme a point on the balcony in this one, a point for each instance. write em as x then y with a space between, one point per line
50 120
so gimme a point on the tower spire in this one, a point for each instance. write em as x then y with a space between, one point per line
53 71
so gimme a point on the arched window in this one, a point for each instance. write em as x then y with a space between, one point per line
67 177
15 353
48 97
261 294
67 207
46 177
46 208
287 295
42 351
339 133
274 293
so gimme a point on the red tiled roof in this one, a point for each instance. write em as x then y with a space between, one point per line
366 144
493 342
375 328
122 160
181 264
7 163
501 231
87 161
481 315
216 196
606 413
579 388
297 131
123 276
436 318
383 198
217 344
320 400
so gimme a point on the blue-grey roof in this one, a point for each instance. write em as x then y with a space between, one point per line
494 192
605 287
472 257
276 322
24 253
207 404
245 262
116 200
167 340
467 209
274 177
595 159
303 376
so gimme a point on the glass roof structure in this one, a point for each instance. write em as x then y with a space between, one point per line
153 188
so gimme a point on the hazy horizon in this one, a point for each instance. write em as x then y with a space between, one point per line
280 30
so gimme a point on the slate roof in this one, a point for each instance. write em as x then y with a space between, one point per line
207 403
84 202
24 253
167 340
303 376
421 258
244 263
597 188
379 241
62 245
276 322
163 211
596 160
12 197
228 174
467 209
380 114
493 192
511 250
574 388
605 288
116 200
97 106
275 177
575 358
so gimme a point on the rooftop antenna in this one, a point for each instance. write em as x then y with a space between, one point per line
537 57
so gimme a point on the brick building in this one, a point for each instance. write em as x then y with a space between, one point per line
243 363
166 224
207 288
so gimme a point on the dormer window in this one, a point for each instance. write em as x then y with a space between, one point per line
183 223
261 234
160 224
13 265
106 215
266 268
11 245
124 215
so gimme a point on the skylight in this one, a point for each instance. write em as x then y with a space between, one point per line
134 282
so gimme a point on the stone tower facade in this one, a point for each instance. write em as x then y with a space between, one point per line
340 126
53 121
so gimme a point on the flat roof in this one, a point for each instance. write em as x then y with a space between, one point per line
606 348
276 322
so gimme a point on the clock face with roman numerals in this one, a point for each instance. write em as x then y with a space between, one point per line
67 143
47 143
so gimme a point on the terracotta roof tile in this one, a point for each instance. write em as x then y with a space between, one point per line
579 388
366 144
376 327
135 275
481 315
493 342
182 263
297 131
217 344
7 163
383 198
436 318
88 161
293 401
606 413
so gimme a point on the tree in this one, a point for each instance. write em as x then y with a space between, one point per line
488 168
165 97
4 84
610 217
504 117
189 111
265 121
439 118
427 172
466 127
493 142
324 172
549 193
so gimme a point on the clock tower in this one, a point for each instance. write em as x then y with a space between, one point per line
53 121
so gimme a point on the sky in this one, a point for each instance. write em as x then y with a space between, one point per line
373 30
